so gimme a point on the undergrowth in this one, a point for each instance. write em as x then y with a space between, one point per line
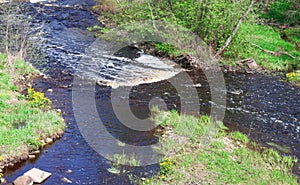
226 159
252 36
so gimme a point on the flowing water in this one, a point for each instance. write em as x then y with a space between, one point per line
262 106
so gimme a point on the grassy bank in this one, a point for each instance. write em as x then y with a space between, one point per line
225 159
266 46
272 48
25 120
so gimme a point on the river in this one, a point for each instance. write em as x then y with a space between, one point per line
262 106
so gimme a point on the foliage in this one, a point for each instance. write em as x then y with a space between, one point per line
238 136
37 99
293 76
166 166
167 49
283 12
268 38
20 41
212 20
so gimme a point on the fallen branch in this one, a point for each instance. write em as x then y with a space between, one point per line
278 53
245 60
281 26
222 49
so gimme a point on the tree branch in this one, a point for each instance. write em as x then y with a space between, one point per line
222 49
278 53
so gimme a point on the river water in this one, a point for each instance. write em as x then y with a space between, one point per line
261 106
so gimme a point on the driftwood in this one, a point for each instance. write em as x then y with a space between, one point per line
277 53
222 49
281 26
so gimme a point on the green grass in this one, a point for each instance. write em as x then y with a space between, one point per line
267 38
22 125
225 160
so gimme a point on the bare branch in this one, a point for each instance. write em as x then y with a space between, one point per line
278 53
222 49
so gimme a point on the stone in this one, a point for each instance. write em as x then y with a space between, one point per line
252 65
35 152
66 180
4 1
3 181
49 140
23 180
31 156
50 90
37 175
69 171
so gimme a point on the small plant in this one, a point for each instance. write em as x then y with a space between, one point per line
293 76
0 161
166 48
37 99
166 166
239 137
34 144
94 28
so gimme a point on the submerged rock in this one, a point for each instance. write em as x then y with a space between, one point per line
37 175
23 180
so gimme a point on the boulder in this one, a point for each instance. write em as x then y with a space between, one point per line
23 180
37 175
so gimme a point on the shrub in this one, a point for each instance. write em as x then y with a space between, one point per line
283 12
37 99
20 41
166 166
293 76
212 20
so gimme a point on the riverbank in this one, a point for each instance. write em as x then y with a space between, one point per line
257 46
200 151
27 120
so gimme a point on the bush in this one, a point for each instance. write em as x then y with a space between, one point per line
17 34
37 99
283 12
212 20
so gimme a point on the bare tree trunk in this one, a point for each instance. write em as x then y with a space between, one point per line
222 49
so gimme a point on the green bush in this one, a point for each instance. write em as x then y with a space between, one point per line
212 20
283 12
37 99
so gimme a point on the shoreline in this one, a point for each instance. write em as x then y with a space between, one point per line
29 121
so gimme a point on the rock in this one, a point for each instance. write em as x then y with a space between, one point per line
49 140
66 180
58 111
36 1
252 65
3 181
38 175
4 1
36 152
50 90
23 180
31 156
69 171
